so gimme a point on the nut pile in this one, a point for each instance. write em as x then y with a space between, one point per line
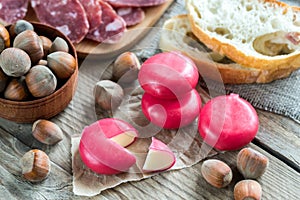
32 66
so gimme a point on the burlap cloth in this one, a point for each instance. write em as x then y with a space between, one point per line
281 96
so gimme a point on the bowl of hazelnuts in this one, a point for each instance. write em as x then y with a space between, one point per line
38 71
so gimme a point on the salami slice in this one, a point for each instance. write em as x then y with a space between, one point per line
131 15
12 10
93 11
68 16
112 27
135 3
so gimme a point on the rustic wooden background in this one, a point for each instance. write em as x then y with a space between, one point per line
278 138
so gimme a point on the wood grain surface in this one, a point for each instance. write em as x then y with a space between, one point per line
278 138
279 182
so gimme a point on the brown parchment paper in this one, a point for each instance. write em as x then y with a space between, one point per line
185 142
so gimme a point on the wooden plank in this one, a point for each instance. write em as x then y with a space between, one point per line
273 132
280 136
12 186
279 182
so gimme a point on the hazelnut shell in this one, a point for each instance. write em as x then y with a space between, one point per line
41 81
16 90
59 44
31 43
35 165
108 94
14 62
247 189
126 67
62 64
251 163
47 43
216 172
4 38
46 132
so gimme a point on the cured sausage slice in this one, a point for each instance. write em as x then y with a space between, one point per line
12 10
135 3
112 27
93 12
131 15
68 16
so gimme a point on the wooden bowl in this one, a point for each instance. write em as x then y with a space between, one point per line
49 106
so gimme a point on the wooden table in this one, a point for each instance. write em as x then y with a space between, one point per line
278 138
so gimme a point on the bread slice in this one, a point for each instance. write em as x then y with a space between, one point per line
261 34
177 36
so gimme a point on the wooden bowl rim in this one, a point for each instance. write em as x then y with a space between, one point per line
51 96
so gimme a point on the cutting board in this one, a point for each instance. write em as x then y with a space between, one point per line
131 37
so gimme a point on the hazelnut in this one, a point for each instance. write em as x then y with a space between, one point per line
20 26
31 43
108 94
47 43
3 80
251 163
14 62
126 67
16 90
62 64
4 38
247 189
46 132
216 173
35 165
59 44
42 62
41 81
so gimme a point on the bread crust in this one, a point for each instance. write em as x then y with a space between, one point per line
231 73
274 64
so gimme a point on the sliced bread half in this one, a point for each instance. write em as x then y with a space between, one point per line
177 36
262 34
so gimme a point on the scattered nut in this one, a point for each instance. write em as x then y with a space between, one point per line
31 43
59 44
216 173
16 90
251 163
46 132
14 62
4 38
35 165
108 94
62 64
41 81
47 43
126 67
3 80
247 189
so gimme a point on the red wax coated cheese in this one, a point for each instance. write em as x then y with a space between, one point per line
168 75
102 154
172 113
228 122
